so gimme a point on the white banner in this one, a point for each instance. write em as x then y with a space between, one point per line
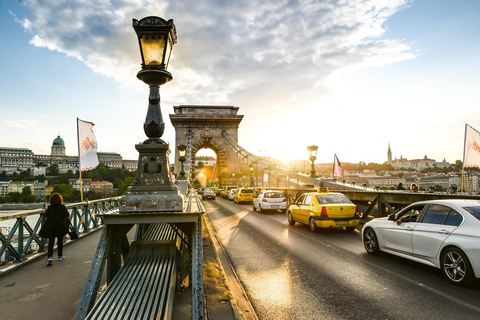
87 146
471 155
265 177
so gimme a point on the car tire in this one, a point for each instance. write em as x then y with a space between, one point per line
260 208
370 242
284 210
290 219
253 207
312 225
456 267
350 229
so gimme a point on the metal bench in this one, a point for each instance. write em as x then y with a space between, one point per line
144 287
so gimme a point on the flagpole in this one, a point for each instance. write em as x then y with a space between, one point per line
463 163
333 169
79 164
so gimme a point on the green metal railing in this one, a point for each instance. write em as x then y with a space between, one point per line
19 233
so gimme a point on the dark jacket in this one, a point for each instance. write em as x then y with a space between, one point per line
56 223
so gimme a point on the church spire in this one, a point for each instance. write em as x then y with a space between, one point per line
389 153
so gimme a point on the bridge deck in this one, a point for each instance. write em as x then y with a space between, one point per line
41 292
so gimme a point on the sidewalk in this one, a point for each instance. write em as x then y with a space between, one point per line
53 293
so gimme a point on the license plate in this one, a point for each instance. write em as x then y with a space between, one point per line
341 222
248 199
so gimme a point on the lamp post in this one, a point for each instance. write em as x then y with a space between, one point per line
233 178
268 167
182 151
153 190
312 154
252 183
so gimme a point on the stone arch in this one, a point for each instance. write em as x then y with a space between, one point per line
206 124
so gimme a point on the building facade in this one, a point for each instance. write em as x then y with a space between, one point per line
416 164
21 159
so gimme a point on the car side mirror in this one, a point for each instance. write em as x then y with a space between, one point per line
391 216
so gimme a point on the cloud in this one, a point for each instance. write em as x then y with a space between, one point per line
225 47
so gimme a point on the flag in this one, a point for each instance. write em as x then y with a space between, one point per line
337 168
471 150
265 177
87 146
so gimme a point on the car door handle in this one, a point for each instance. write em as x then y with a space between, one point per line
443 231
409 228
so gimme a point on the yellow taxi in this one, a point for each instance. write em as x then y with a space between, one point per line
244 195
324 209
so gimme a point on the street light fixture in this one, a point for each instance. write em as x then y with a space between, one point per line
312 153
233 178
153 190
182 151
252 183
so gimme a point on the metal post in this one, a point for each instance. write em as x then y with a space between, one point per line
20 251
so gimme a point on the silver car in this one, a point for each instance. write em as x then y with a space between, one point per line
270 200
444 234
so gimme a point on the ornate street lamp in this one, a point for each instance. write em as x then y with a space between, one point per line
252 184
312 154
182 151
153 190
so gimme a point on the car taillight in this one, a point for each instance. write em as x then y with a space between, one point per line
324 212
264 200
356 210
284 200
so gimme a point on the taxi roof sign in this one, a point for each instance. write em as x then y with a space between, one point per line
323 190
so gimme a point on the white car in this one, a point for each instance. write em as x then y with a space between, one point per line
441 233
231 195
270 200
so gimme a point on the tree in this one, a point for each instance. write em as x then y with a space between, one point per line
124 185
3 199
26 191
15 196
27 195
52 170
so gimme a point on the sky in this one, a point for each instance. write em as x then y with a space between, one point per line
350 76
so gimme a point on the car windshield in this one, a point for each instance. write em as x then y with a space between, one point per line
247 191
332 198
474 211
273 195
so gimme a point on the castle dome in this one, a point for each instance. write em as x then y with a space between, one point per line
58 142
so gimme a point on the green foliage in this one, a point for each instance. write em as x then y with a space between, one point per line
14 196
3 199
67 192
52 170
103 173
124 185
26 191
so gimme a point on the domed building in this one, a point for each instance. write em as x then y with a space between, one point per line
19 159
58 146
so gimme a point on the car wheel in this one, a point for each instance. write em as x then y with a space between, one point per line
290 219
260 208
253 207
370 241
284 210
350 229
312 225
456 267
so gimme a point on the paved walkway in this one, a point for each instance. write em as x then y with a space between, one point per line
39 292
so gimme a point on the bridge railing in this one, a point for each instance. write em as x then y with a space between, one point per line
19 231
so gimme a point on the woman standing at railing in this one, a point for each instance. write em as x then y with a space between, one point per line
55 226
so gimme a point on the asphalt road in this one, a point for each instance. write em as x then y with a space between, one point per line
288 272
